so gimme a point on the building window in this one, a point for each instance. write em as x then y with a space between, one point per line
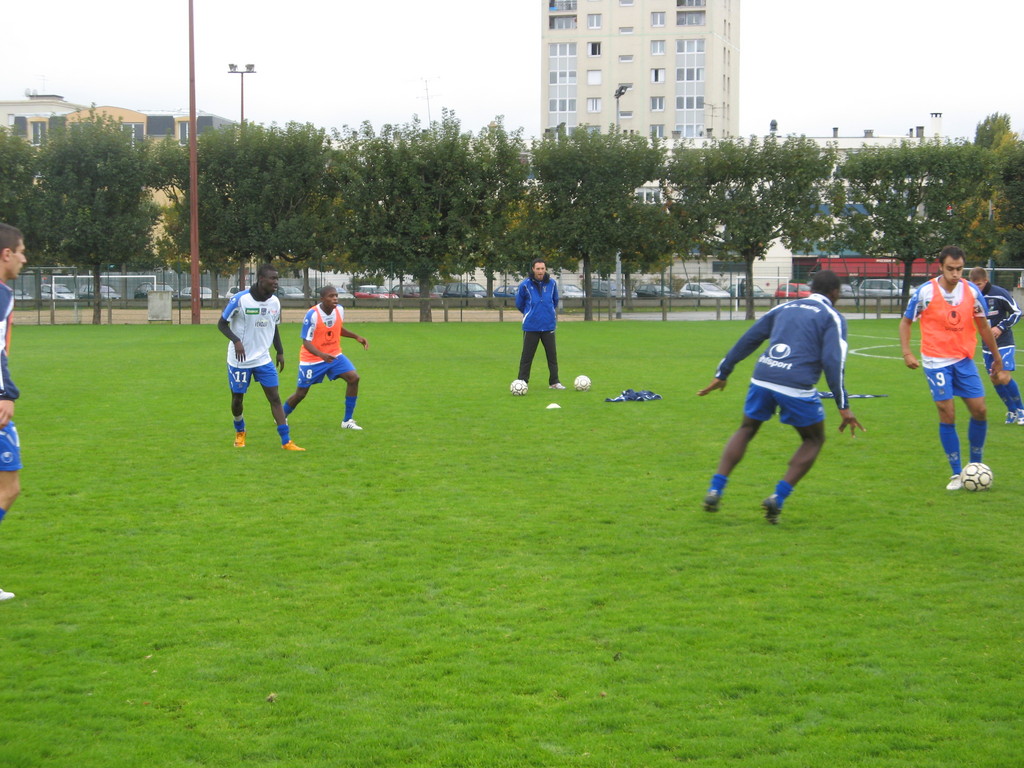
658 19
561 105
137 130
626 114
562 77
626 58
625 30
562 22
593 21
593 105
691 3
593 77
689 46
562 5
657 47
690 75
657 103
689 102
691 18
183 132
649 195
657 131
625 2
38 131
658 75
593 49
561 49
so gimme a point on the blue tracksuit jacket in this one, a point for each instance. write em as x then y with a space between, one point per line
538 302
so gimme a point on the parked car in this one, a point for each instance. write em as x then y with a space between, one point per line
703 291
509 291
793 291
738 291
567 291
57 292
605 289
879 287
410 291
106 292
204 293
20 295
464 291
143 289
654 291
290 292
373 292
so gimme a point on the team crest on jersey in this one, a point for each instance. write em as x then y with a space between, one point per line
779 351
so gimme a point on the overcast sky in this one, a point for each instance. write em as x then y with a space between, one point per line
809 64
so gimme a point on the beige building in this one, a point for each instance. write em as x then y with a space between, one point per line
665 68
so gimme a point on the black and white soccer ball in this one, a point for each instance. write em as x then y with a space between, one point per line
582 383
976 477
519 388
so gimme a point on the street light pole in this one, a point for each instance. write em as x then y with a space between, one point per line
250 69
618 95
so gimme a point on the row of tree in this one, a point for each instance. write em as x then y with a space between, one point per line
433 201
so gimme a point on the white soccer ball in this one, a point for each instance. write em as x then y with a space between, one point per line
519 387
977 477
582 383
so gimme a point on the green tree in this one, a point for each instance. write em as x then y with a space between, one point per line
1011 204
585 207
17 182
739 196
264 193
910 200
427 202
95 205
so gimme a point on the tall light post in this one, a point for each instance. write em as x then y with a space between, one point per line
618 95
250 69
193 172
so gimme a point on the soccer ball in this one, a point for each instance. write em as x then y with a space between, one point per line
977 477
582 383
519 387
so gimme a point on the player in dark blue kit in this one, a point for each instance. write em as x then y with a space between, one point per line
1003 314
807 336
12 259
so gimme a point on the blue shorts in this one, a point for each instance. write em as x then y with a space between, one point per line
313 373
961 379
239 378
10 449
795 411
1004 352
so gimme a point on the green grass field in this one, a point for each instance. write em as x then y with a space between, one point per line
476 580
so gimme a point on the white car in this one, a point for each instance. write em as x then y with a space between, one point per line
702 291
55 292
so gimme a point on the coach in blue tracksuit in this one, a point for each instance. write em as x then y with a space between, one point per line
806 336
537 299
1003 314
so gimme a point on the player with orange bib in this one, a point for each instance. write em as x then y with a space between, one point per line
952 312
320 356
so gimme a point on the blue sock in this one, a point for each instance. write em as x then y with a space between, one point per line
976 431
782 491
287 409
951 445
1003 390
239 425
718 483
284 432
1014 392
350 406
2 513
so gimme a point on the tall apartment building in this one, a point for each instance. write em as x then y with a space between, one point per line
666 68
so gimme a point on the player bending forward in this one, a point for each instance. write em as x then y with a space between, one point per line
320 356
806 336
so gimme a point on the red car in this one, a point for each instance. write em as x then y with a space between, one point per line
793 291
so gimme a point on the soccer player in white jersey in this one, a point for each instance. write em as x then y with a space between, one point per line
12 259
951 311
250 321
322 330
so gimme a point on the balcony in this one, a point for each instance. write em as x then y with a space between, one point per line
561 5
